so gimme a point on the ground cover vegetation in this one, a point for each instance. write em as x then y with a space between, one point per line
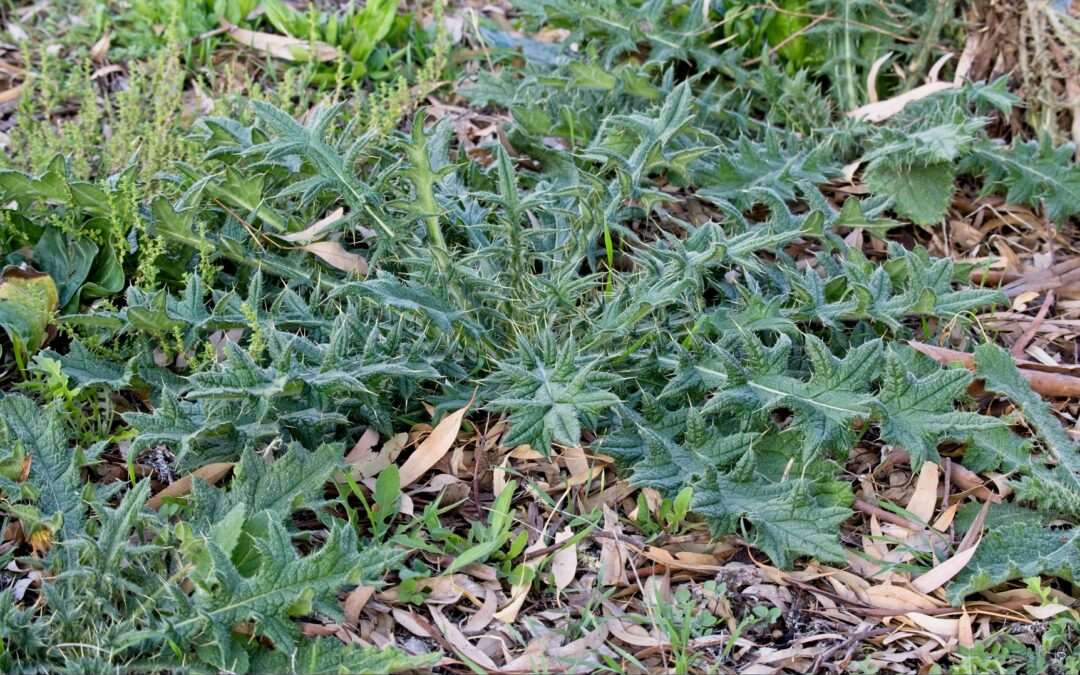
551 336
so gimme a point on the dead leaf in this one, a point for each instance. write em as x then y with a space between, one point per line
100 50
965 636
11 94
433 448
924 499
888 596
564 564
355 601
483 616
211 473
337 256
519 592
459 642
883 110
612 553
315 231
1047 611
947 628
945 571
280 46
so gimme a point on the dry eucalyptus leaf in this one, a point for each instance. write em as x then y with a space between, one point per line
280 46
335 255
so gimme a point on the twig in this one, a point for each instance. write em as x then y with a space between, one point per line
887 516
851 640
1018 348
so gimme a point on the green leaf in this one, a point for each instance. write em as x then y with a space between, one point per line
917 414
86 370
787 520
67 259
1000 374
921 192
1017 550
55 465
295 479
285 584
330 656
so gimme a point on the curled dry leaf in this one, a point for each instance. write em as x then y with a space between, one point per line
888 596
946 628
924 499
100 50
519 592
458 640
280 46
883 110
11 94
612 552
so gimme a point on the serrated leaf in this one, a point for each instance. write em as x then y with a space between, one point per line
1015 551
330 656
921 192
917 414
54 464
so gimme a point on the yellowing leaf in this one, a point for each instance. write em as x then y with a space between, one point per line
28 299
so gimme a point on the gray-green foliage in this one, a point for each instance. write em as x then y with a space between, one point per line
504 278
235 549
646 264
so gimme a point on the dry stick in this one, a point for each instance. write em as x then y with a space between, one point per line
853 639
964 478
1017 349
1042 383
887 516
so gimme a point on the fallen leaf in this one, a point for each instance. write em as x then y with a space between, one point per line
924 499
483 616
459 642
433 447
280 46
883 110
211 473
355 601
11 94
946 628
612 553
888 596
1047 611
564 564
945 571
337 256
316 230
519 592
100 50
